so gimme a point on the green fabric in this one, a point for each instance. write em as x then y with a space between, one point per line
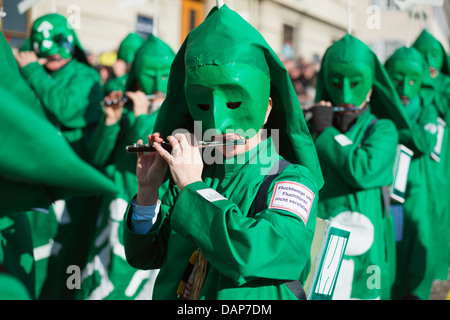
246 99
224 38
415 262
150 69
16 251
356 167
348 83
384 101
114 278
354 174
71 98
129 47
250 257
437 93
407 70
433 52
51 34
12 288
56 171
115 84
127 52
53 172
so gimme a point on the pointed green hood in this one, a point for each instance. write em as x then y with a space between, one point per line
51 34
129 46
408 62
37 165
151 66
426 43
225 38
384 102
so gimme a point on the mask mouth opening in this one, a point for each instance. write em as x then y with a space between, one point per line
405 100
54 57
433 72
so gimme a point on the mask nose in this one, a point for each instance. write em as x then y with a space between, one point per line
160 82
221 118
347 92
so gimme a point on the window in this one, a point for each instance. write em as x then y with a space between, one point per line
386 5
14 25
288 42
192 14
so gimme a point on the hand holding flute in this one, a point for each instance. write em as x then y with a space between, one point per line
185 163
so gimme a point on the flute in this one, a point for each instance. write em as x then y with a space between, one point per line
337 109
125 99
168 147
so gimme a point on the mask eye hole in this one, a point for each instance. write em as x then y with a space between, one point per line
354 84
204 107
233 105
338 86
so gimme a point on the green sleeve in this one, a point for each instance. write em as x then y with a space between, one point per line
422 138
368 165
67 101
140 127
148 251
273 244
103 142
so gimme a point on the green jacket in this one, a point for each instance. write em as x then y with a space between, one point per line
116 84
249 257
415 264
70 96
355 168
439 178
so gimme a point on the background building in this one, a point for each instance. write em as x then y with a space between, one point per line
298 30
294 28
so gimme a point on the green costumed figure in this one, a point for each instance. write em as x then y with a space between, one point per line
125 56
108 275
357 150
414 218
37 167
67 86
70 93
438 87
206 234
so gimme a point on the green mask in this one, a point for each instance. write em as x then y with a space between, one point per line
151 67
406 68
431 49
230 96
349 70
348 83
51 35
129 46
56 171
226 61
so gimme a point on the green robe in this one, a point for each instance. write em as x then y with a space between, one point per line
116 84
249 257
108 274
415 265
439 179
354 170
16 251
71 98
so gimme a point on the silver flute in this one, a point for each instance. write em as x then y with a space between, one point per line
125 99
137 147
336 109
